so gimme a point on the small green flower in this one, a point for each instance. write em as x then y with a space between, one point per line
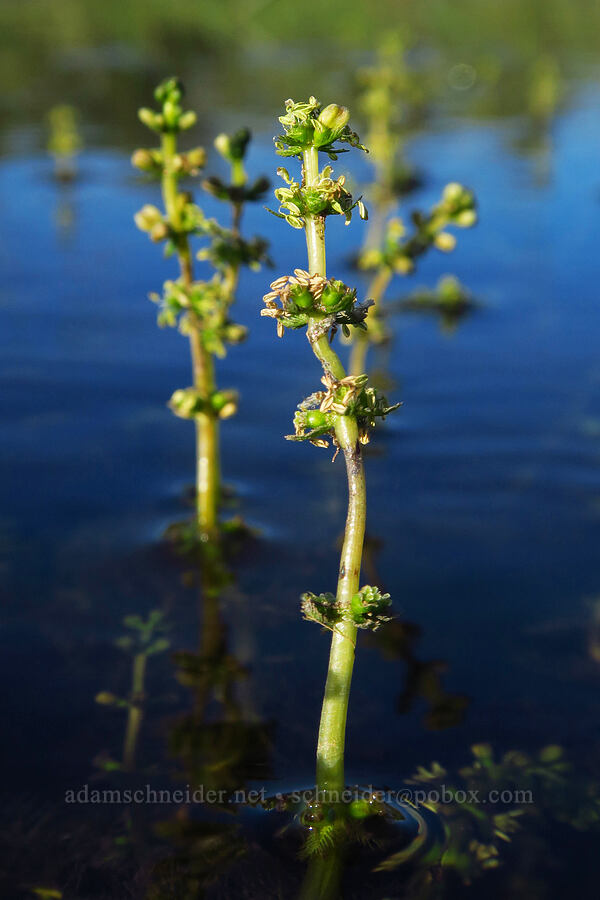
148 217
303 296
172 118
307 124
315 418
368 607
322 609
188 403
323 197
233 147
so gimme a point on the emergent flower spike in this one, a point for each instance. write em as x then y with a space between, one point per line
344 412
399 251
309 125
172 118
200 308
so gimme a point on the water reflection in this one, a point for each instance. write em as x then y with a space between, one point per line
545 93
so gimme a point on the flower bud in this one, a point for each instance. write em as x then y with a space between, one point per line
551 754
330 298
233 147
159 232
150 118
302 298
187 120
334 117
404 265
466 218
315 419
396 229
186 403
105 698
196 158
172 113
169 89
224 403
147 217
369 259
222 145
235 333
445 241
143 159
452 192
360 809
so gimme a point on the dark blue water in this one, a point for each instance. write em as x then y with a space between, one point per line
484 490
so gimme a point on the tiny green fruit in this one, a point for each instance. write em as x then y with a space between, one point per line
330 298
334 117
359 809
315 418
304 299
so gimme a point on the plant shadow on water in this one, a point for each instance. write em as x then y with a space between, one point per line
483 521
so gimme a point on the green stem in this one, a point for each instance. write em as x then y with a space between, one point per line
207 439
135 715
362 339
323 877
238 172
332 728
238 179
314 225
207 426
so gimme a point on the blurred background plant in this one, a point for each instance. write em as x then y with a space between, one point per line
64 141
200 309
393 100
397 254
79 36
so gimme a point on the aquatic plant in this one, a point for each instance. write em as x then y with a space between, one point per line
449 299
392 99
199 308
400 250
144 638
64 141
491 802
348 408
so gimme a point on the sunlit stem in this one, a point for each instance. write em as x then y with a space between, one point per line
332 729
315 225
207 426
136 712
